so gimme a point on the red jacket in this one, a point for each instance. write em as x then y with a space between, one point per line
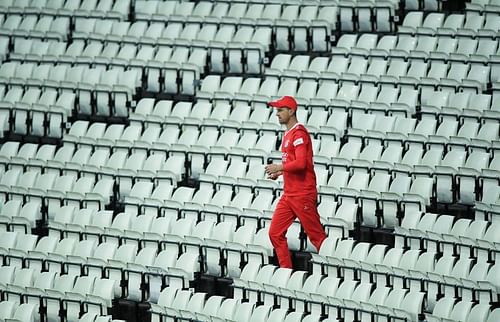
297 158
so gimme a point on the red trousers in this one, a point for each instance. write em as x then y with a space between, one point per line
288 208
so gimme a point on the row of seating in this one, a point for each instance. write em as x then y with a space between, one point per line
418 46
420 135
81 136
333 95
368 16
105 8
367 90
127 55
275 284
348 183
310 92
26 312
445 234
476 279
220 203
151 56
424 47
359 176
47 109
301 14
330 295
464 111
402 45
378 97
20 217
486 210
207 204
204 204
213 200
323 295
94 52
93 166
467 170
214 242
482 315
428 128
379 197
330 98
64 189
125 266
51 27
104 92
382 13
392 71
220 253
307 11
483 6
448 309
437 23
386 207
23 312
35 112
332 168
329 121
224 32
191 141
144 163
50 292
50 74
177 304
383 206
320 37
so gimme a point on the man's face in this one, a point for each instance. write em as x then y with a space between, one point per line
283 115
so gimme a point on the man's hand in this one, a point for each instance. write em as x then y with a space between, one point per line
273 168
275 175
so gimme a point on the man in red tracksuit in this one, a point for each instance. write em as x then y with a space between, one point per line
299 199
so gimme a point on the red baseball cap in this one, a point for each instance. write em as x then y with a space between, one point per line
285 101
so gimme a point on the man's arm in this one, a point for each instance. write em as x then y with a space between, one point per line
297 165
